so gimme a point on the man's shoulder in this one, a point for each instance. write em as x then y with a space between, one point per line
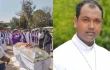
63 52
103 56
101 49
66 48
63 47
104 52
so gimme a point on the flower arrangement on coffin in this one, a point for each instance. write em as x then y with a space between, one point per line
22 46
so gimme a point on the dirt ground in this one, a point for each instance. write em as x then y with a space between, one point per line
10 66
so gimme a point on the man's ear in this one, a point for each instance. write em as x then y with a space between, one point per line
75 21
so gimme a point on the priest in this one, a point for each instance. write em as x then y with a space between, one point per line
82 52
15 37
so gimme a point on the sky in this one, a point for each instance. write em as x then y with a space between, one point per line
9 8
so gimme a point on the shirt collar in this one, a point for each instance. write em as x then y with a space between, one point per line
81 45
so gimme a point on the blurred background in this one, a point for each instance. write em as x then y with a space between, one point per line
64 12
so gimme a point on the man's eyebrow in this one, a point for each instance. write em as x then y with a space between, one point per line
98 19
85 17
88 17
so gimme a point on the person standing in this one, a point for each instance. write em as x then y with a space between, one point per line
36 36
28 37
3 59
41 36
47 42
3 39
15 37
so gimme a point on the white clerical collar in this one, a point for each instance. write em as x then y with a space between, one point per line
81 45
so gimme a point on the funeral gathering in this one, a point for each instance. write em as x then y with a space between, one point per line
54 35
34 37
26 35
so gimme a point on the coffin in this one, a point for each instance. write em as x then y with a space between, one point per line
32 53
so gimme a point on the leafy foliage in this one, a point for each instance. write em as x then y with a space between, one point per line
22 22
27 10
33 19
64 12
104 38
41 18
4 25
14 22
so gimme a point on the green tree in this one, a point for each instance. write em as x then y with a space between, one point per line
14 23
27 10
49 20
64 12
4 25
22 22
104 38
39 18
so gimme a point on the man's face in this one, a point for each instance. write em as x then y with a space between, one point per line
89 23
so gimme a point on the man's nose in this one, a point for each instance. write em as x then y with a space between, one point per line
91 25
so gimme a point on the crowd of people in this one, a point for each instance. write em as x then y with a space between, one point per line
39 37
36 37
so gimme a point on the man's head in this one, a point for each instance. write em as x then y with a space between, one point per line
88 20
91 3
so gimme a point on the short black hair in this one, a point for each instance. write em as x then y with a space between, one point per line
92 4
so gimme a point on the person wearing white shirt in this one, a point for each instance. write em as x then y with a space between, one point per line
41 38
28 37
3 39
3 59
81 52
